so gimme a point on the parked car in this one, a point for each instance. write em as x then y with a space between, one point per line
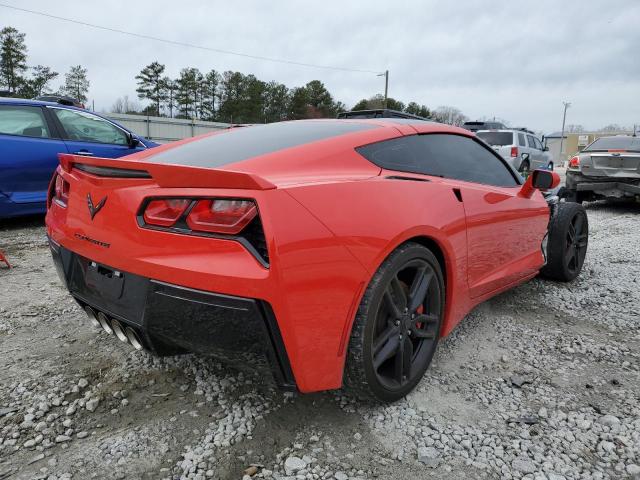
379 113
62 99
474 126
519 147
607 168
33 133
336 251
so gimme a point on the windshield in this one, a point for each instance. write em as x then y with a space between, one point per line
603 144
496 138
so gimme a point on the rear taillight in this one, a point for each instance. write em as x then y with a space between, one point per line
227 216
60 191
514 151
165 212
220 215
237 219
574 162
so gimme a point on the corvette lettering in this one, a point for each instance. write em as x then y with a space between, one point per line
92 240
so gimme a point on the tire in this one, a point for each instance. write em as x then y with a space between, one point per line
567 242
525 168
381 340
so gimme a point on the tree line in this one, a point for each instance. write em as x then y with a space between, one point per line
229 96
24 81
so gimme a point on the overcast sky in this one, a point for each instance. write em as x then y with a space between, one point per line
514 60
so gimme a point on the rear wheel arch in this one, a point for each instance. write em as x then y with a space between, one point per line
428 241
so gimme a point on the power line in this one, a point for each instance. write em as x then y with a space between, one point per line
185 44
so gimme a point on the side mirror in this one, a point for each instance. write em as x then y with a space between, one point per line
132 140
539 180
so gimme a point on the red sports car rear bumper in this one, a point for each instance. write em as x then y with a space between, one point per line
170 319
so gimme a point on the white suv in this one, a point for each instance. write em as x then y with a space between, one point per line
519 147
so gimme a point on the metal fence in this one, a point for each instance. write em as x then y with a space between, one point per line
162 129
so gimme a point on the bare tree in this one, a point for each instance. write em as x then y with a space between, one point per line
124 105
449 115
574 128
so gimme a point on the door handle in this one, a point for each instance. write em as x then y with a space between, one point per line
84 153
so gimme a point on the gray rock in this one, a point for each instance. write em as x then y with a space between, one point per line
294 464
524 465
92 404
340 476
62 438
633 469
429 456
609 420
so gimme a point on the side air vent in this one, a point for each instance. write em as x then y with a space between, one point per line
254 234
111 172
400 177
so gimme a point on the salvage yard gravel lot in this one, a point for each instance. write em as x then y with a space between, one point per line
542 382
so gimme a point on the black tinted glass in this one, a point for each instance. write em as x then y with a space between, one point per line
630 144
243 143
443 155
497 138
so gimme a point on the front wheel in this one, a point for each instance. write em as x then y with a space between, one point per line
567 242
396 329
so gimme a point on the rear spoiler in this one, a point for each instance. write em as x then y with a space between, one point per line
165 175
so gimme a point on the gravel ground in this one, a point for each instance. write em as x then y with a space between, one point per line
540 383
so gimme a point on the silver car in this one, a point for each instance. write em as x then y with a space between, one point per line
607 168
519 147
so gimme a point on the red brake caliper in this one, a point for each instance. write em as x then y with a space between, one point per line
420 311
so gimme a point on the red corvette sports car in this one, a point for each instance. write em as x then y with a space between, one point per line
329 251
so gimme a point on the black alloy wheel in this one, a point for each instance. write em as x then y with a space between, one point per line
568 238
397 326
576 243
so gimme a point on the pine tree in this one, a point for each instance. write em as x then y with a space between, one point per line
13 58
187 92
209 95
76 83
276 102
151 85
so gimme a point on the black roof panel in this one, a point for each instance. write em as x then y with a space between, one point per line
243 143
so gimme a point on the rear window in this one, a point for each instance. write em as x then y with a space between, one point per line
243 143
629 144
497 139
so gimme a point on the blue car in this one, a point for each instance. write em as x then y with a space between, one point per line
33 133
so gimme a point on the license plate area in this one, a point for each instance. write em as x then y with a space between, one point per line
107 281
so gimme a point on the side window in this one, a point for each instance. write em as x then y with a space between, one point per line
532 142
86 127
442 155
538 144
521 140
24 121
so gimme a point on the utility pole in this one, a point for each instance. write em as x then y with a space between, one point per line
385 74
564 118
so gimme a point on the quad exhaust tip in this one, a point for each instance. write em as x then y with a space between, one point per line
104 323
133 338
91 313
117 328
114 327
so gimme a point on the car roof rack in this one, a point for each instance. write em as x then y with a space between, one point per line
524 129
380 113
61 99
